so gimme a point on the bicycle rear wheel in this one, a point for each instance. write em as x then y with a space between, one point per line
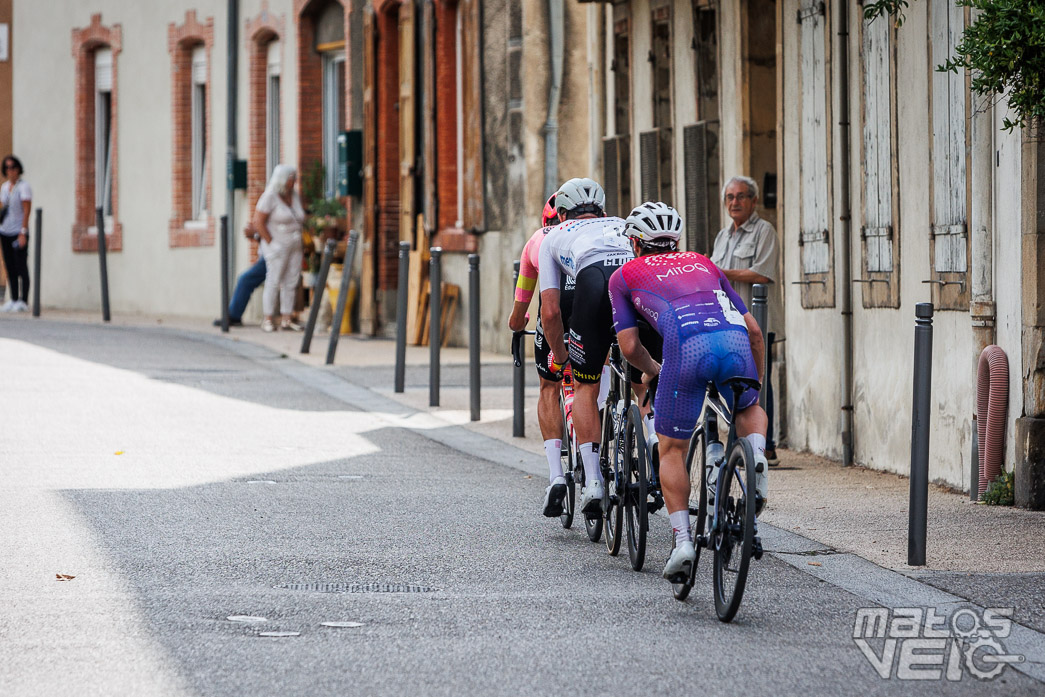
733 538
567 457
696 456
636 467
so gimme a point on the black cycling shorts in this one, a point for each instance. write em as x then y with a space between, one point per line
654 344
541 349
591 328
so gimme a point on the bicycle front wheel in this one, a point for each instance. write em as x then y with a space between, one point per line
636 466
734 534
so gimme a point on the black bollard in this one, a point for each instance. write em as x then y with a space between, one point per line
759 309
402 297
36 261
102 263
224 273
342 298
518 386
770 407
923 366
473 333
435 334
317 294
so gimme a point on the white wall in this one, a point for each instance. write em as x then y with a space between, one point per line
147 276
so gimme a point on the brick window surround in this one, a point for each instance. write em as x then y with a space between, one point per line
387 166
310 85
450 234
181 40
261 31
84 44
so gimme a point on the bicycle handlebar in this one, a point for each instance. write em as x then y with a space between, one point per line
517 339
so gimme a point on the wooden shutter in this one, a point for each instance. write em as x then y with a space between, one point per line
474 213
611 176
428 167
649 165
877 142
816 257
698 217
948 143
407 121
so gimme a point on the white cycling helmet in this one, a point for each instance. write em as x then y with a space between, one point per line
580 192
654 223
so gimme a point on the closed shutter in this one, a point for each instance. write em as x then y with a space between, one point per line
649 165
698 218
407 122
877 138
948 143
611 177
816 256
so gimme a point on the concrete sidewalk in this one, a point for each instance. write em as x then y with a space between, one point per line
850 510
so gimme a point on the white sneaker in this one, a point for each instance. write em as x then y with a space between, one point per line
591 497
20 306
8 306
761 483
553 497
680 563
268 326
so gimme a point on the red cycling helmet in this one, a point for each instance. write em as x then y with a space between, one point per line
550 215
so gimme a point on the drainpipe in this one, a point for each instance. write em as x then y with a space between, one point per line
551 126
845 220
231 72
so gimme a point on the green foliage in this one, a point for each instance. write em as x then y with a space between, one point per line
327 208
312 183
1003 49
894 8
1000 491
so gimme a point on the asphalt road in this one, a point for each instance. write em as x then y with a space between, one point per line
182 480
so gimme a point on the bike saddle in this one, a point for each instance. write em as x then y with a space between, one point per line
739 383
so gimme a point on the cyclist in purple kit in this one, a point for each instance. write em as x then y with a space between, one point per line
708 336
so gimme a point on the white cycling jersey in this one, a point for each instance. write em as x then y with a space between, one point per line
576 244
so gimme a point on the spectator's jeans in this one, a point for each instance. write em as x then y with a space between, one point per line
283 266
246 284
16 262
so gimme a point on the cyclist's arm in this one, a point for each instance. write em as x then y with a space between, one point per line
758 344
635 352
517 320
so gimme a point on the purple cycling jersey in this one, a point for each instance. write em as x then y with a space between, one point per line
690 303
680 292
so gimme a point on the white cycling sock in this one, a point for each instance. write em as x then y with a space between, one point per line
758 443
680 526
604 386
649 426
590 458
553 449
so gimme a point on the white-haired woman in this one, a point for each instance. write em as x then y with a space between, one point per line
278 218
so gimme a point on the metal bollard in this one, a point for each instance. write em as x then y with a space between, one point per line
768 389
759 309
474 375
342 298
435 334
224 274
518 386
402 297
102 263
317 294
918 508
36 262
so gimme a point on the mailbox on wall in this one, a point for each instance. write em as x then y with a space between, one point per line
350 163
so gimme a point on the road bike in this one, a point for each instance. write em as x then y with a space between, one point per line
572 467
732 533
611 449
